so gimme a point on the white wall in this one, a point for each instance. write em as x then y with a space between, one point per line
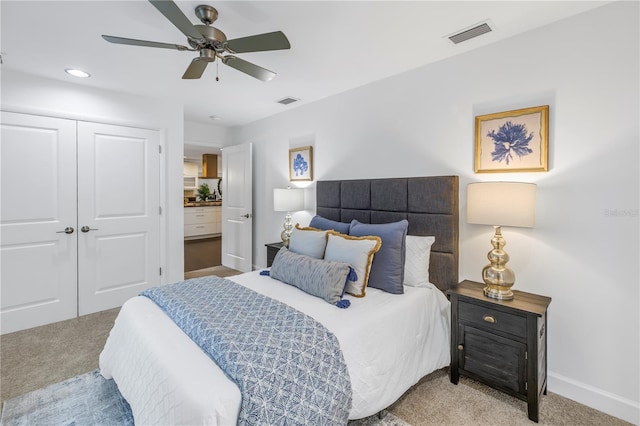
35 95
583 251
205 134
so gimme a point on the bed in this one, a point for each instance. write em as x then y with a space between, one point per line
388 341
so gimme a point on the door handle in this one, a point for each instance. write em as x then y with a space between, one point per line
247 215
85 228
67 230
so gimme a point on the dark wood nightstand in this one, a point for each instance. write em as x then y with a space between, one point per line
502 344
272 250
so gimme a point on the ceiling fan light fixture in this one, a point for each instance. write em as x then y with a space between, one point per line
77 73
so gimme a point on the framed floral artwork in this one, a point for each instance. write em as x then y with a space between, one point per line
301 163
513 141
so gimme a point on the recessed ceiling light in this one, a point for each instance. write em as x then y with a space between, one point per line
77 73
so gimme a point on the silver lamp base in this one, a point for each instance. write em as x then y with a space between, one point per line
496 275
285 235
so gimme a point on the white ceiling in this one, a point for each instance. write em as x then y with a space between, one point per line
335 46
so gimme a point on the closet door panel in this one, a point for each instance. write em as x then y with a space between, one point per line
118 214
38 187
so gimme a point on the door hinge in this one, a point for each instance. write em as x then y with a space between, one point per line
160 271
159 149
159 209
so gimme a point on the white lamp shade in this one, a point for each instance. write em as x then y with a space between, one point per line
288 200
501 203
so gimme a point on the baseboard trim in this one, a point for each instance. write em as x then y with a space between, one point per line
606 402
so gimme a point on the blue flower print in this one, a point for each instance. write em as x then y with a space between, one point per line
300 166
510 139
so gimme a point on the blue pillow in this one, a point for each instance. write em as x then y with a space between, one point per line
387 269
325 224
317 277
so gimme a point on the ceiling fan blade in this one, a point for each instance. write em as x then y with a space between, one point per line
173 13
134 42
248 68
195 69
259 43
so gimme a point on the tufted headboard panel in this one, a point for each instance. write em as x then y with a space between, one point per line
430 204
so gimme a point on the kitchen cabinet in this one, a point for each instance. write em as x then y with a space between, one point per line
190 173
202 222
210 166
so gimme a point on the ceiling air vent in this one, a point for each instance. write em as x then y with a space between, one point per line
469 33
288 100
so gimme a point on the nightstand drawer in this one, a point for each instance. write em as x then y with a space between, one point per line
492 319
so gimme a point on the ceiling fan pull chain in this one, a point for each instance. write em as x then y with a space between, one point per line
217 78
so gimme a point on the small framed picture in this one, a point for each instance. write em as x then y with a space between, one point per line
513 141
301 163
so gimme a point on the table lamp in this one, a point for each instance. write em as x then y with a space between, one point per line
287 200
500 204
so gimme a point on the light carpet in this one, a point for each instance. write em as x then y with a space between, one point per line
90 399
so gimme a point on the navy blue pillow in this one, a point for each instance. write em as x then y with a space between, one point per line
387 268
325 224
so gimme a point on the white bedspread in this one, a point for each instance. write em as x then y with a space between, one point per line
388 341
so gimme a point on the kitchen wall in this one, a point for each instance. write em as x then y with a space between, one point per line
34 95
584 249
204 138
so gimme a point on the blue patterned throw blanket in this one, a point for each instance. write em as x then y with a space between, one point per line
289 367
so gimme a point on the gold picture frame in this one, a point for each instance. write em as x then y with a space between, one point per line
513 141
301 163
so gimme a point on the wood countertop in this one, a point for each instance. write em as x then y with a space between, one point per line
203 204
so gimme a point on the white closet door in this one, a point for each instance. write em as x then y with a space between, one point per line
118 214
38 202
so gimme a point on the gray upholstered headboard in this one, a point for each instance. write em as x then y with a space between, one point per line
430 204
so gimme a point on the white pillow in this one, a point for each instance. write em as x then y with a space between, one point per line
308 241
357 252
416 261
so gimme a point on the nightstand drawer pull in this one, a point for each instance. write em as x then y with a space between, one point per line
460 347
490 319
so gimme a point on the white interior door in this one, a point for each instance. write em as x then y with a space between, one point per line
37 257
118 214
237 207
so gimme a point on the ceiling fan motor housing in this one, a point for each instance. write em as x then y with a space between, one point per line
212 38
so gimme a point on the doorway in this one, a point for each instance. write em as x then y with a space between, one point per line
202 218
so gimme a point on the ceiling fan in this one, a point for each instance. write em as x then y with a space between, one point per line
210 42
